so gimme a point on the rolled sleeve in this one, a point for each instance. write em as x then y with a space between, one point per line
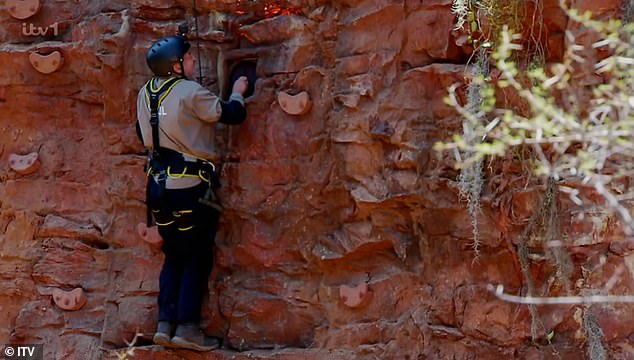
237 97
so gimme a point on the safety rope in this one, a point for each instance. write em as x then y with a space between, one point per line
200 69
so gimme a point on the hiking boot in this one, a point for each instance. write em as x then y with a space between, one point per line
189 336
163 334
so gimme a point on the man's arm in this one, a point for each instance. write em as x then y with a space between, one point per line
209 108
140 107
206 105
233 111
138 132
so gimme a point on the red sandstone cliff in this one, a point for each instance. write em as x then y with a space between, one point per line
343 238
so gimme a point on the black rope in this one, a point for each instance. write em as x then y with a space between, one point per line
200 69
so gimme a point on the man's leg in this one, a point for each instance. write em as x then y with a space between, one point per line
194 283
170 279
169 285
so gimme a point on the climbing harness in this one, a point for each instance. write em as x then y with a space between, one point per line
155 164
163 163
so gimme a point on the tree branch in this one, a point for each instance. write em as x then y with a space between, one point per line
558 300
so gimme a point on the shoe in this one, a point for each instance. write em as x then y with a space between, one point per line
189 336
163 334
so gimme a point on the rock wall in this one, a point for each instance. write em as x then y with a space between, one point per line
343 237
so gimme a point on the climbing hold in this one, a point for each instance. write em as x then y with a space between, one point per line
149 234
24 164
22 9
294 104
69 300
46 64
353 296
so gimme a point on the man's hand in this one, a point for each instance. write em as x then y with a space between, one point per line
241 85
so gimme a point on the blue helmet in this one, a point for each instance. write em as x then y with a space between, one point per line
165 52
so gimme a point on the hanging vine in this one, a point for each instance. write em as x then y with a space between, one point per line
471 178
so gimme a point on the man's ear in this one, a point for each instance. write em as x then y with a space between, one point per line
176 68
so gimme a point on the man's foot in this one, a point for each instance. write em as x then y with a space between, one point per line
189 336
163 334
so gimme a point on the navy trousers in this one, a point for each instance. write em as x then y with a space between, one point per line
188 229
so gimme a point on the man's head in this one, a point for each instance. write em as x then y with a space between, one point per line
169 56
189 63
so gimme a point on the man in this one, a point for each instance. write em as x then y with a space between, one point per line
176 119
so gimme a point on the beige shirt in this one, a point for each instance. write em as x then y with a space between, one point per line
187 118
